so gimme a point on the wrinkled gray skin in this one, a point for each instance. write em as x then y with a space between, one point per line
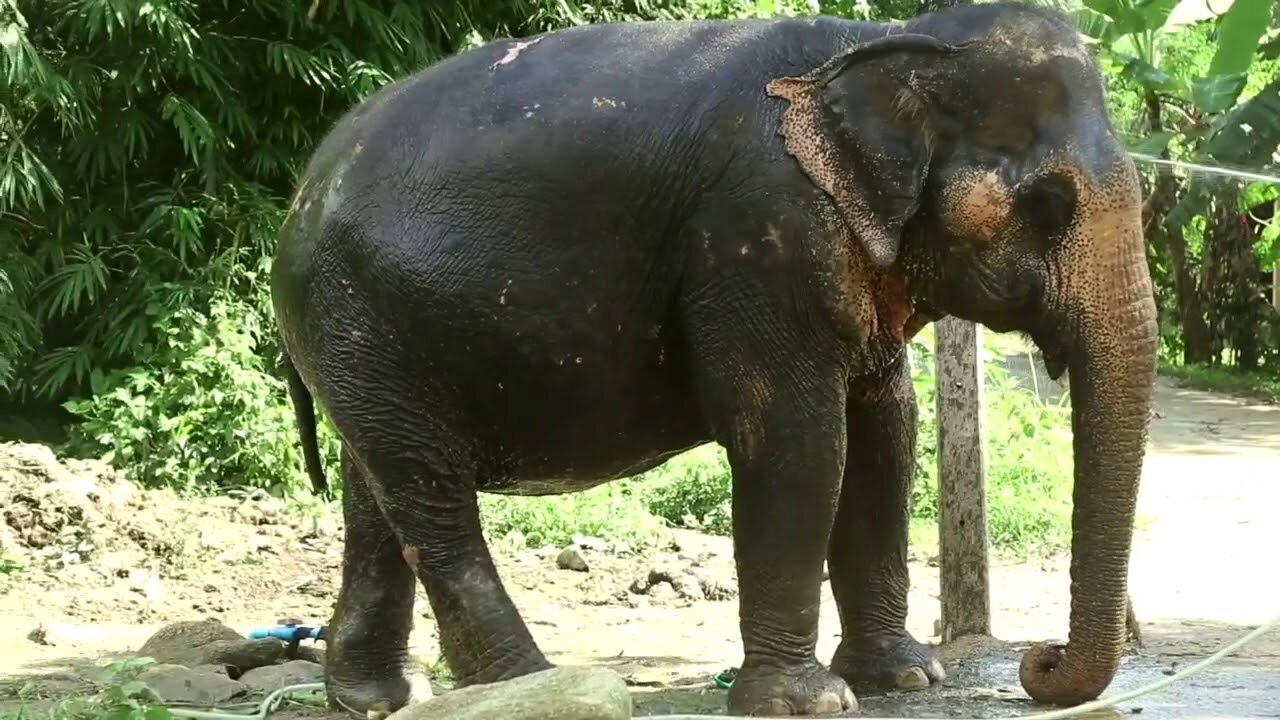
541 265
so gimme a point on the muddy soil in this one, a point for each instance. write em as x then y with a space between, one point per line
90 567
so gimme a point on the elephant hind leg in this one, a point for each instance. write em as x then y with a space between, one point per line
367 641
437 520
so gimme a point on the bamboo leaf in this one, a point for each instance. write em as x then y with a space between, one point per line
1240 30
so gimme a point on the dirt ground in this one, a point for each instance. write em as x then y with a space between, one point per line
139 560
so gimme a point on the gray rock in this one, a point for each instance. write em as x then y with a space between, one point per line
571 558
209 642
311 653
562 693
662 592
246 655
178 684
274 677
715 586
687 586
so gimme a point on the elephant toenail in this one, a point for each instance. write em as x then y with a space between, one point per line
827 704
850 700
912 679
937 671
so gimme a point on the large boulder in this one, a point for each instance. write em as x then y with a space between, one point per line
561 693
273 677
179 684
209 642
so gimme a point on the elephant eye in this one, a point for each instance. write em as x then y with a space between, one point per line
1047 204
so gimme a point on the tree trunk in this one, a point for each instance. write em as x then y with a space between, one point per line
1196 339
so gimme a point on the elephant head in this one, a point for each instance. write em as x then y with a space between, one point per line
970 156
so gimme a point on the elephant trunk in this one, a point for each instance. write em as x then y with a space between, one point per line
1107 303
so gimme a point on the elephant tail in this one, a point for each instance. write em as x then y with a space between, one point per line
304 413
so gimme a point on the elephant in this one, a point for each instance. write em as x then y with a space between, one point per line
546 263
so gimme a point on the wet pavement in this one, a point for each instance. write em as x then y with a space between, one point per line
982 683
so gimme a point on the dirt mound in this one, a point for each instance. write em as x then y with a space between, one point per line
80 524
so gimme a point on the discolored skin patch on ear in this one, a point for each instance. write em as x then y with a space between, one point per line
820 159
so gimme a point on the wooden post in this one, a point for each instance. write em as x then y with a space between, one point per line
962 498
1275 286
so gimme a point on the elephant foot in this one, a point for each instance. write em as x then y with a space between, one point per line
808 690
373 697
892 663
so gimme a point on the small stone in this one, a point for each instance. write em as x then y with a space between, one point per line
716 588
571 559
687 586
662 592
178 684
639 586
66 635
273 677
560 693
311 653
587 542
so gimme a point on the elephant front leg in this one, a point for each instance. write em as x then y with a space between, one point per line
868 552
785 442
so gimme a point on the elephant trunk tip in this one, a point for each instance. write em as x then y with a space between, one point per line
1049 678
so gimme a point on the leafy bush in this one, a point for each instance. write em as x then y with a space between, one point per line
615 512
204 413
693 489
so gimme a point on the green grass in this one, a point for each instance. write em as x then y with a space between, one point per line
1253 386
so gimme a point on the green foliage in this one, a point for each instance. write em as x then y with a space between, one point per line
694 490
1225 380
1028 455
1191 85
204 411
123 697
616 512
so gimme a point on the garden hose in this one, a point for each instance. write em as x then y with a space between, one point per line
725 679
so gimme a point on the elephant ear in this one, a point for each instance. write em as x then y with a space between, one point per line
859 127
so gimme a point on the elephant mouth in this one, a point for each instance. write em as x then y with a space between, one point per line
1054 365
1053 353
